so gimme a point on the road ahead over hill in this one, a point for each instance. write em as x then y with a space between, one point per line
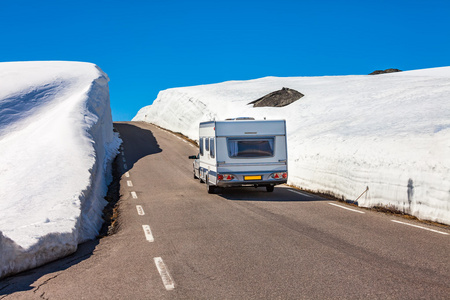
176 241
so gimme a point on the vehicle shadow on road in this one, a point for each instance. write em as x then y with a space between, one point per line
24 281
280 194
137 143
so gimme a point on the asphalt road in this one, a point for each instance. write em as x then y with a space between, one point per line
238 244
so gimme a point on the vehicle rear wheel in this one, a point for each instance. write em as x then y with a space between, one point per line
210 188
270 188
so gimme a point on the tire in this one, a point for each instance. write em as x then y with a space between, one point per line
269 188
210 188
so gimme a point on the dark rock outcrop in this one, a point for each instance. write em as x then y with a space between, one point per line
385 71
280 98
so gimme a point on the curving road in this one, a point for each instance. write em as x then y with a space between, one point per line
176 241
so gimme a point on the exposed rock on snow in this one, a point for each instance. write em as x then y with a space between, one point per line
385 71
390 133
280 98
56 147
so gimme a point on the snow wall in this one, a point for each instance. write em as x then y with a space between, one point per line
56 148
390 133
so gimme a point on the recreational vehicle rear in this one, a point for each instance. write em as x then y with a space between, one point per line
242 152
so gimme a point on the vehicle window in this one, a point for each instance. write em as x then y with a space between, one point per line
250 147
201 146
211 148
207 144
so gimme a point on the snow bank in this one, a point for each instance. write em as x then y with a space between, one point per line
56 147
388 132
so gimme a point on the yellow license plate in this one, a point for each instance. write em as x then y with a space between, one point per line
259 177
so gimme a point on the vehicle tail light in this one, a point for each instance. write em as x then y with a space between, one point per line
279 175
225 177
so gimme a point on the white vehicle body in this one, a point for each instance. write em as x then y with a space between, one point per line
242 152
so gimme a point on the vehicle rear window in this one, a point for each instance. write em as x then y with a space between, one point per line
250 147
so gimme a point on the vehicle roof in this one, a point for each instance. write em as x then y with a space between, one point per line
246 128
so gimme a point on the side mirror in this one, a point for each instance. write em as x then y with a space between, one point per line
193 157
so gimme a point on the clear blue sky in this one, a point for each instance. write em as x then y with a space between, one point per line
152 45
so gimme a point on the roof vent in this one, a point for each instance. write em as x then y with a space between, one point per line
240 119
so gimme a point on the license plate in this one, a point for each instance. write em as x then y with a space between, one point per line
259 177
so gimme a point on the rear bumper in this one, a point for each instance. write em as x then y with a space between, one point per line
239 179
236 183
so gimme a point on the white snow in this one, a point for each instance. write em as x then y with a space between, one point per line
56 148
388 132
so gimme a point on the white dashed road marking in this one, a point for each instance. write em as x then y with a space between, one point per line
125 166
140 210
127 174
129 183
148 233
164 273
300 193
354 210
134 195
421 227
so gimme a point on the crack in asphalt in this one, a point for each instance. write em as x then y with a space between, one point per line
44 283
42 296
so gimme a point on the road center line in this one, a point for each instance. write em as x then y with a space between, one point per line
140 210
421 227
300 193
148 233
164 273
354 210
134 195
129 183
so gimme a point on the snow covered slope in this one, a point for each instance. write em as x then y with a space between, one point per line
56 147
388 132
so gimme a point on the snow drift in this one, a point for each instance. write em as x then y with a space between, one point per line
56 148
388 132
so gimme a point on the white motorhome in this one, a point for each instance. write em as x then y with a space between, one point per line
242 152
